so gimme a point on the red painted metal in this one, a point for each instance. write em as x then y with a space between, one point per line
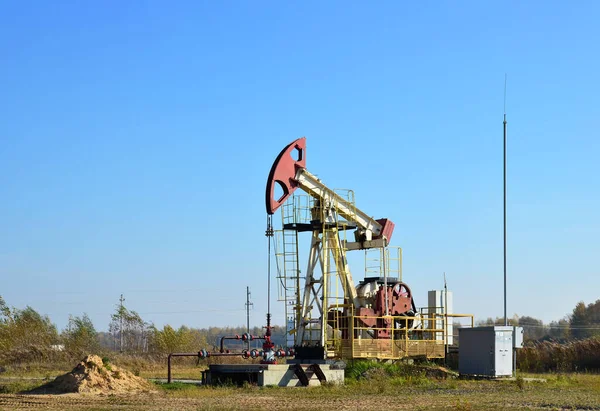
269 354
399 299
400 302
387 228
268 345
283 173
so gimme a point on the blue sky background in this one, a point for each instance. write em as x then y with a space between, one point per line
136 139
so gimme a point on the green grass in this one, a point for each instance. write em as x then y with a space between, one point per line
400 372
36 370
177 372
175 386
17 386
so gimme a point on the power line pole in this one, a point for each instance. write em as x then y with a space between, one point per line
121 324
504 124
248 304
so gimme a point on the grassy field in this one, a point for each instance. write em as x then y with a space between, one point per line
560 391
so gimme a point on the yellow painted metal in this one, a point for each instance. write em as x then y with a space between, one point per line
329 318
419 341
339 287
294 211
374 260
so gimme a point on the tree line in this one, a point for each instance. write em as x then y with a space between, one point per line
27 335
25 331
582 323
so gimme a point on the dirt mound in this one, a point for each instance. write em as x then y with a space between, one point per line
92 375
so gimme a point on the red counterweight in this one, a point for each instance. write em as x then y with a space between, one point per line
283 173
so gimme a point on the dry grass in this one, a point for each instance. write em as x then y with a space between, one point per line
385 386
140 365
573 356
561 391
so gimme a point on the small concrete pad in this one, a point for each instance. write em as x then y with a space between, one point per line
281 375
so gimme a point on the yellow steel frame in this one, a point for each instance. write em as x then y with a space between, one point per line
337 283
334 291
375 258
404 342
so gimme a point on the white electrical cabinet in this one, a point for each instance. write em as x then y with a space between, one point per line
440 302
487 351
291 326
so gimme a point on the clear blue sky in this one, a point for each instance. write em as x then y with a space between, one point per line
136 139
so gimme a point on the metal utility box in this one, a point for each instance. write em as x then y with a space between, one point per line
486 351
518 339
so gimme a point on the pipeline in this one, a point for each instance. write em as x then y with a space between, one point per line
200 354
244 337
245 354
268 353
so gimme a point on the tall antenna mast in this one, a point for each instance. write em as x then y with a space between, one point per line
445 317
504 124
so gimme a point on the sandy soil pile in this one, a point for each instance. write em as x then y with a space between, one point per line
91 375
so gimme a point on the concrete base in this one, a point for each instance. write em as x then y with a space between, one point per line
281 375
